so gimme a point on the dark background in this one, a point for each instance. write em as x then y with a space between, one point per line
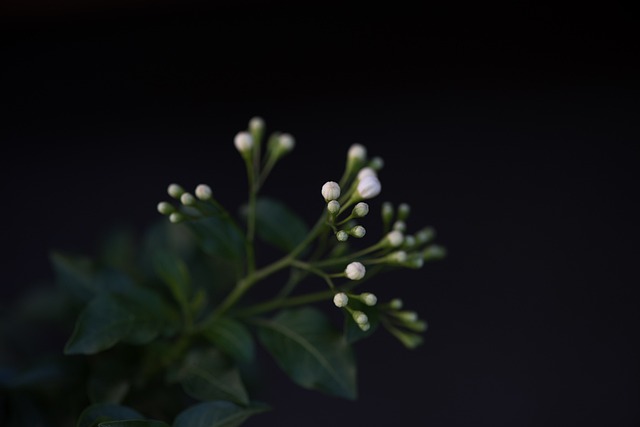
513 130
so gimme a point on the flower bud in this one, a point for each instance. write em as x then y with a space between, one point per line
286 142
176 217
359 317
409 242
425 235
433 252
396 304
400 225
360 210
403 211
342 236
357 152
369 299
415 261
340 299
333 207
330 191
387 212
366 172
364 326
394 238
358 231
398 256
187 199
203 192
376 163
165 208
256 124
407 316
243 142
369 187
175 191
355 270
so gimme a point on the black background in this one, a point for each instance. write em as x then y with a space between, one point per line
513 130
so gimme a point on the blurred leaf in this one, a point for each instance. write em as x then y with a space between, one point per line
136 316
210 376
233 338
102 389
217 414
118 249
98 413
277 225
218 237
74 274
175 274
310 351
134 423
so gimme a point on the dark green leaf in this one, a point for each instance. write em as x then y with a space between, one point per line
102 412
175 274
210 376
233 338
118 249
134 423
218 237
217 414
74 274
137 317
310 351
278 225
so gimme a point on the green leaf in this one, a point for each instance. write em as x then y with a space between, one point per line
134 423
233 338
210 376
310 351
74 274
98 413
277 225
137 317
218 236
175 274
217 414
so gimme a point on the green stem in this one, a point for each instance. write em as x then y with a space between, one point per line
278 303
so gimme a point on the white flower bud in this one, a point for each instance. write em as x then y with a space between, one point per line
340 299
355 270
176 217
366 172
364 326
407 316
409 241
243 142
434 252
175 191
256 124
165 208
369 299
359 317
357 152
415 262
360 209
396 304
342 236
403 211
387 212
333 207
398 256
286 142
425 235
358 231
394 238
376 163
187 199
203 192
400 226
369 187
330 191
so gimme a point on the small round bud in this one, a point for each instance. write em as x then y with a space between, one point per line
256 124
243 142
398 256
425 235
403 211
203 192
415 262
360 210
394 238
286 142
342 236
355 270
333 207
165 208
176 217
340 299
366 172
187 199
364 326
330 191
357 152
369 299
396 304
376 163
400 225
359 317
369 187
407 316
433 252
358 231
387 212
409 242
175 191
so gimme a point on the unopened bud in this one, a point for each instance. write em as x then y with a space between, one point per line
165 208
434 252
342 236
176 217
403 211
243 142
360 210
340 299
400 226
359 317
256 124
333 207
425 235
409 242
398 256
369 187
396 304
376 163
187 199
387 212
357 152
394 238
330 191
286 142
369 299
203 192
355 270
366 172
175 191
358 231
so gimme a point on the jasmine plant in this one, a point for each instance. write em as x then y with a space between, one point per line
165 330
